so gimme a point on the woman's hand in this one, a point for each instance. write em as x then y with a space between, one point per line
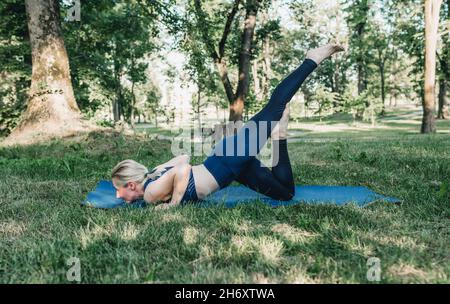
164 206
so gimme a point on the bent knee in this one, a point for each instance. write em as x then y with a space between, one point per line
288 195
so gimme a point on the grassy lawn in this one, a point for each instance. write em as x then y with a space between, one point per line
42 224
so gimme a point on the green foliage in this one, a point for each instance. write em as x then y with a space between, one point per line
109 46
9 117
110 50
325 99
15 64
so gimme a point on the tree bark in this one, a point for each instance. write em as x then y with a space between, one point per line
116 101
51 106
443 100
444 60
223 73
256 82
237 106
133 105
267 69
431 30
199 117
383 88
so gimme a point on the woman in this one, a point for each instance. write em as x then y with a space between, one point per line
180 182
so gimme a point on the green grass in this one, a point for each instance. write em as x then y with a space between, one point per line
396 123
42 224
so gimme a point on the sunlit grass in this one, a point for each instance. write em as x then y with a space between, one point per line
42 224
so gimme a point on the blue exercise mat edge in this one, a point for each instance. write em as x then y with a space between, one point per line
104 196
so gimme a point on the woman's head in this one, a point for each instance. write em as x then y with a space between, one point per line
128 178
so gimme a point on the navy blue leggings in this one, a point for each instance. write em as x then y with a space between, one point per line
277 183
233 158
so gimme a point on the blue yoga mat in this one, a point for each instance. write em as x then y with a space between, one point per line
104 196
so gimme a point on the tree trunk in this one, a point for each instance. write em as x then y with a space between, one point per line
132 105
256 82
223 73
237 106
199 118
116 101
443 100
383 89
267 69
51 106
431 29
444 61
360 79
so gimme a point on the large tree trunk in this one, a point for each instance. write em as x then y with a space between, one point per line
237 106
51 107
431 29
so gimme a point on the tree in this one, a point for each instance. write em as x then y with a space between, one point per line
236 99
15 64
320 22
444 61
357 21
109 53
51 106
381 47
409 37
432 8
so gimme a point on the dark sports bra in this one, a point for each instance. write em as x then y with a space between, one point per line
148 181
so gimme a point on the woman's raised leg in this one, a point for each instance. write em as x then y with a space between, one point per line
229 156
234 151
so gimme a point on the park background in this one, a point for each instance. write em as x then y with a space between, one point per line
86 84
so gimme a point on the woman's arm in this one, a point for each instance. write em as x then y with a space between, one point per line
161 188
178 160
180 182
171 184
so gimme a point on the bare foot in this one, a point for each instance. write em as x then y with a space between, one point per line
321 53
280 130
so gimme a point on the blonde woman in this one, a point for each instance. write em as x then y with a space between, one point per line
177 182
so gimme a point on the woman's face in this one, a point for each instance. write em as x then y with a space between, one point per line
128 193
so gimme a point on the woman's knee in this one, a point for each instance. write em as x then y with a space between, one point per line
286 196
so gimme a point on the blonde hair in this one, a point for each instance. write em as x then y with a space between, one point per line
129 171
